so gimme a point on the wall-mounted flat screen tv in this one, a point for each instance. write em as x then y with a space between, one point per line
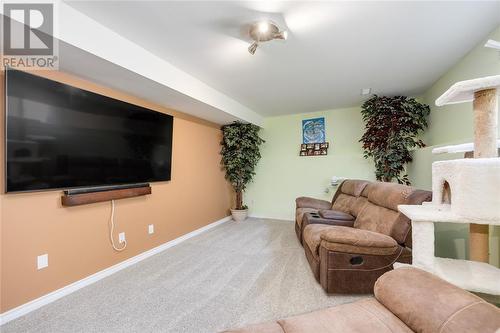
60 137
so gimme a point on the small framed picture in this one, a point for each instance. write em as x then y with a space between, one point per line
314 149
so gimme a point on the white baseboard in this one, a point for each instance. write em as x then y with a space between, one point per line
66 290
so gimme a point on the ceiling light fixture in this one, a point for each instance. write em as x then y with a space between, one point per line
252 48
263 27
264 31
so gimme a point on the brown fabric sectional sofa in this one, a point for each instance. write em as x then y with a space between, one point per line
357 237
406 300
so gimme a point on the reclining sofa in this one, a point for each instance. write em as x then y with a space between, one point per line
357 237
406 300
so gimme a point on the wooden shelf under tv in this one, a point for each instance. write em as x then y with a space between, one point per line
69 200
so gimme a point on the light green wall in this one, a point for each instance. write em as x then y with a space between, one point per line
453 124
282 175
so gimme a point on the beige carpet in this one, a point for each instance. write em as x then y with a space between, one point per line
232 275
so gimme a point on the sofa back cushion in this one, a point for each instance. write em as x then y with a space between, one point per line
427 303
382 220
380 212
360 202
349 197
354 187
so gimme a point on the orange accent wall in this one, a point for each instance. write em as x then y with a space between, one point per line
77 238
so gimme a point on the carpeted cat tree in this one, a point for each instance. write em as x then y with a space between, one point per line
464 191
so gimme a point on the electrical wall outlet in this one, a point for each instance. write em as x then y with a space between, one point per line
42 261
151 229
121 237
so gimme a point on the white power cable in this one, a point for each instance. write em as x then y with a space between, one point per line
113 228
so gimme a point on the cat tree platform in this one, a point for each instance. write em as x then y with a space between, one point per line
460 148
464 91
470 275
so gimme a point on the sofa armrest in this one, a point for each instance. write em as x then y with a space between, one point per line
335 215
359 241
427 303
360 237
332 222
306 202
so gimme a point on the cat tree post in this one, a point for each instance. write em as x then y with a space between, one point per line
485 107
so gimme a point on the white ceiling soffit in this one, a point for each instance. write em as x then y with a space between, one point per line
170 86
85 65
334 48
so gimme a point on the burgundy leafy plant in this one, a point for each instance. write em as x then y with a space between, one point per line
391 128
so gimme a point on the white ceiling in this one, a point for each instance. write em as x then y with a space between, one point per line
334 48
97 53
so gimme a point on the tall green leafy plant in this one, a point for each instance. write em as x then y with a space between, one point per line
391 128
240 154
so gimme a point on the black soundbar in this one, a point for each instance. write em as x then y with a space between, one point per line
103 188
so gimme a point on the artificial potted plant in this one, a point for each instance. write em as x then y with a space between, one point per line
240 154
392 125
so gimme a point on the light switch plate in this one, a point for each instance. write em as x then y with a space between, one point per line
151 229
42 261
121 237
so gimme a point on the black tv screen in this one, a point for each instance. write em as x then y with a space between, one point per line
59 137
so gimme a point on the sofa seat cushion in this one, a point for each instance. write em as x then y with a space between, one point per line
366 315
299 214
312 237
335 215
352 240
